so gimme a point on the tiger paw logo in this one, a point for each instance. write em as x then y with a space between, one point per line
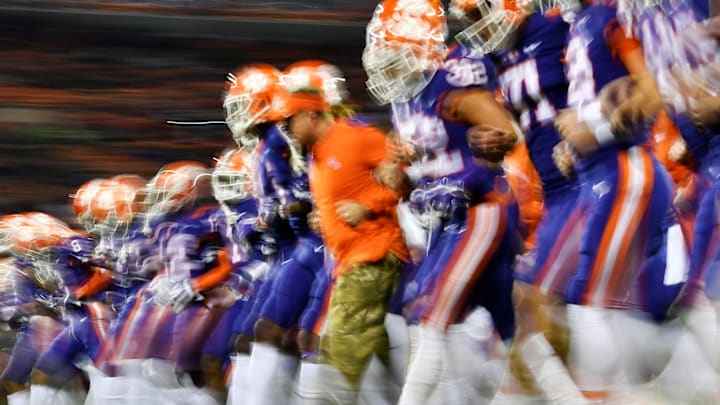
333 163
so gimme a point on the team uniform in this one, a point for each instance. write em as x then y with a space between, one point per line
533 81
280 297
627 191
662 31
274 183
88 320
676 50
470 253
293 283
37 333
472 222
242 255
141 315
192 258
627 197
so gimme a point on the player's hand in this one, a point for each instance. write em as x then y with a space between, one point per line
575 132
489 142
267 213
564 159
701 98
614 93
352 212
161 289
642 104
313 219
307 343
183 294
392 176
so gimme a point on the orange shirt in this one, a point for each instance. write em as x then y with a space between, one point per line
342 167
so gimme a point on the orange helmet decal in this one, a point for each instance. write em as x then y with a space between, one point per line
316 74
175 186
249 96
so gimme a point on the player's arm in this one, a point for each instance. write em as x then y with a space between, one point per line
280 171
215 275
644 96
493 133
576 133
99 281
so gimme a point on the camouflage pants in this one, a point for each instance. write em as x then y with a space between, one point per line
355 325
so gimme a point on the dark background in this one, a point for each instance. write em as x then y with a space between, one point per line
87 86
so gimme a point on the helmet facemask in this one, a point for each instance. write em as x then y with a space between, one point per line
231 186
242 111
496 22
491 32
396 73
171 190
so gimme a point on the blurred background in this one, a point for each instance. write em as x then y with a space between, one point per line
87 86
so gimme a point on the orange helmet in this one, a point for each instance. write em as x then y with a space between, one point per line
82 200
174 187
232 179
405 45
131 181
115 204
249 97
317 74
34 233
490 22
134 185
11 225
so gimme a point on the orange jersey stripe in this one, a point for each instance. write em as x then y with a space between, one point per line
486 222
635 185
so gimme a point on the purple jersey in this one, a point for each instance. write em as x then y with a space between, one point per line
190 245
26 289
240 251
71 257
275 183
591 63
136 252
534 85
443 142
